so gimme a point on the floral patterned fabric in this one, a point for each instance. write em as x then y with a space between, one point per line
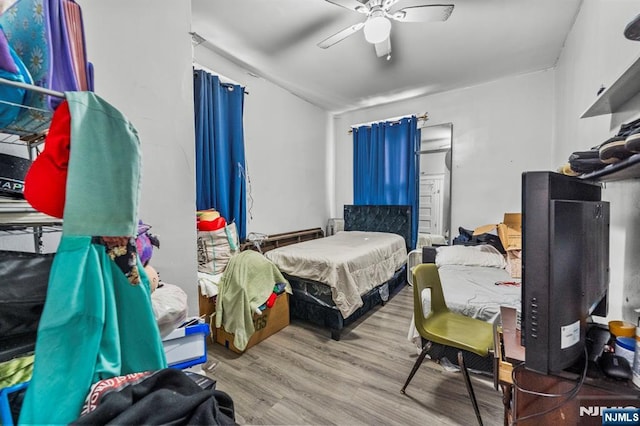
123 251
48 36
26 28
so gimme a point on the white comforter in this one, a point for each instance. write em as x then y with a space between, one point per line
350 262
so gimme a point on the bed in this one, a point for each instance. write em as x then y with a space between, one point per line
337 279
469 275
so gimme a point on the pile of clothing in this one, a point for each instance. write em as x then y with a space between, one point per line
186 398
250 284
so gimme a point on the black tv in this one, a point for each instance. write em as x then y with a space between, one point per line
565 267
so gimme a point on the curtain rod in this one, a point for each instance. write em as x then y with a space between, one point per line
32 87
394 120
223 79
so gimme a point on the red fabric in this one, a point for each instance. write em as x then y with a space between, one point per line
212 225
271 300
46 180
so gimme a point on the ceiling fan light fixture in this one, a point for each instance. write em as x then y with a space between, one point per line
377 29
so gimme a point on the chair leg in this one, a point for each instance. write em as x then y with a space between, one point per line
417 364
467 381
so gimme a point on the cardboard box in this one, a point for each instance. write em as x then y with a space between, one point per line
206 306
514 263
270 322
509 231
186 346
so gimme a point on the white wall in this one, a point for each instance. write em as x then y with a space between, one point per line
143 67
595 54
141 52
285 149
500 129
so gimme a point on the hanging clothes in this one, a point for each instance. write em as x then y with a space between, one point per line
95 323
11 68
25 26
48 36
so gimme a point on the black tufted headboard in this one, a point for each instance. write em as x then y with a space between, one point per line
393 219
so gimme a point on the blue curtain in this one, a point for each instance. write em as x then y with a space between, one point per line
386 167
220 164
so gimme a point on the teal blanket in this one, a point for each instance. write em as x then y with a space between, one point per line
247 283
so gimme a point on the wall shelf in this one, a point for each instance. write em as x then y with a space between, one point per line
626 169
624 88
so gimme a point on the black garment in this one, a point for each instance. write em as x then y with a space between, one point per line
24 278
168 397
467 238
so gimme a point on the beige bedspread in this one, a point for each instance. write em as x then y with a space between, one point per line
350 262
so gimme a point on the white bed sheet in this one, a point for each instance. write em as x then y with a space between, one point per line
471 291
350 262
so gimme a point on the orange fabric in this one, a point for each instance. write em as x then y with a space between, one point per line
46 180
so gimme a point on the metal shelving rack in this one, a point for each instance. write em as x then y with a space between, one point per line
16 215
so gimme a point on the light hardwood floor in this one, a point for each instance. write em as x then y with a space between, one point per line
299 376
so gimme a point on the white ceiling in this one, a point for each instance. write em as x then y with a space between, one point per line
483 40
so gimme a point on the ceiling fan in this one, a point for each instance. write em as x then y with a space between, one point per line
377 25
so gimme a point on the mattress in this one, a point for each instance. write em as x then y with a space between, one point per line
472 291
351 263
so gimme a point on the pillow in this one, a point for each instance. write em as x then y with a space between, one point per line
480 255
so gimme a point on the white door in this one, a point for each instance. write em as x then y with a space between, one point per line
430 207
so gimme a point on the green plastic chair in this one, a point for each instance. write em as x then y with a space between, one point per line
447 328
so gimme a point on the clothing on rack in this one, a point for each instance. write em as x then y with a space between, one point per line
16 370
49 37
25 25
95 323
23 287
13 69
66 38
6 61
46 180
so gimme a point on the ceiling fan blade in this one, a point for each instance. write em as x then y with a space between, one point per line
340 35
424 13
354 5
386 4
